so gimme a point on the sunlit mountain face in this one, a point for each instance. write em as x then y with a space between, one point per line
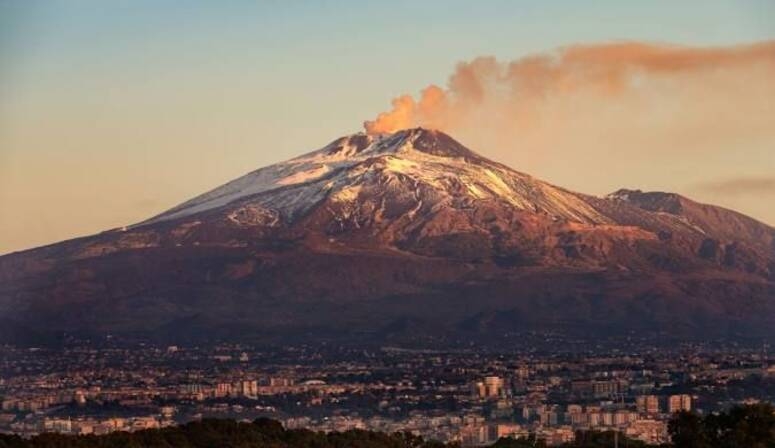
404 236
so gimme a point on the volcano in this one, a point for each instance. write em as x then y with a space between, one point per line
402 237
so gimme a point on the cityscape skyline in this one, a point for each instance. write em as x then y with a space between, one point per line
469 397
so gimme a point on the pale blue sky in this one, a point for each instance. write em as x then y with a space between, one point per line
363 52
128 107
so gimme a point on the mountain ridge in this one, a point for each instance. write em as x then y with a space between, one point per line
369 233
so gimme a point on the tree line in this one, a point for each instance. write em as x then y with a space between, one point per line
751 426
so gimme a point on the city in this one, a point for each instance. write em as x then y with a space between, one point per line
473 397
404 224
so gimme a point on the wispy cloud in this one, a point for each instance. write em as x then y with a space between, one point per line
516 91
757 186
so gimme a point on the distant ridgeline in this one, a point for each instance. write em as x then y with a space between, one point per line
745 426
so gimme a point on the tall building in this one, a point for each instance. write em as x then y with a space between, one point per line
597 388
678 403
491 387
249 388
475 435
223 390
647 404
603 389
595 418
549 418
281 382
478 390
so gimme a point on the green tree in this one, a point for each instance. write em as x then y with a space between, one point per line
688 430
528 442
750 426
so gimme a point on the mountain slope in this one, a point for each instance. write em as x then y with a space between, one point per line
418 161
371 232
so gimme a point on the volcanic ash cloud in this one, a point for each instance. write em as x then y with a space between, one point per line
520 94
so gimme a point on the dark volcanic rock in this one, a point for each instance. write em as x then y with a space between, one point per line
406 237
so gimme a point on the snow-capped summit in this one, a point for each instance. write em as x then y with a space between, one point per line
434 168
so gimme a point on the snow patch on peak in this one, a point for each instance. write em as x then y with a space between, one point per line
347 194
413 159
399 165
304 176
623 194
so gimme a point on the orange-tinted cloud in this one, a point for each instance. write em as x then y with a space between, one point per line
429 110
757 186
517 89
